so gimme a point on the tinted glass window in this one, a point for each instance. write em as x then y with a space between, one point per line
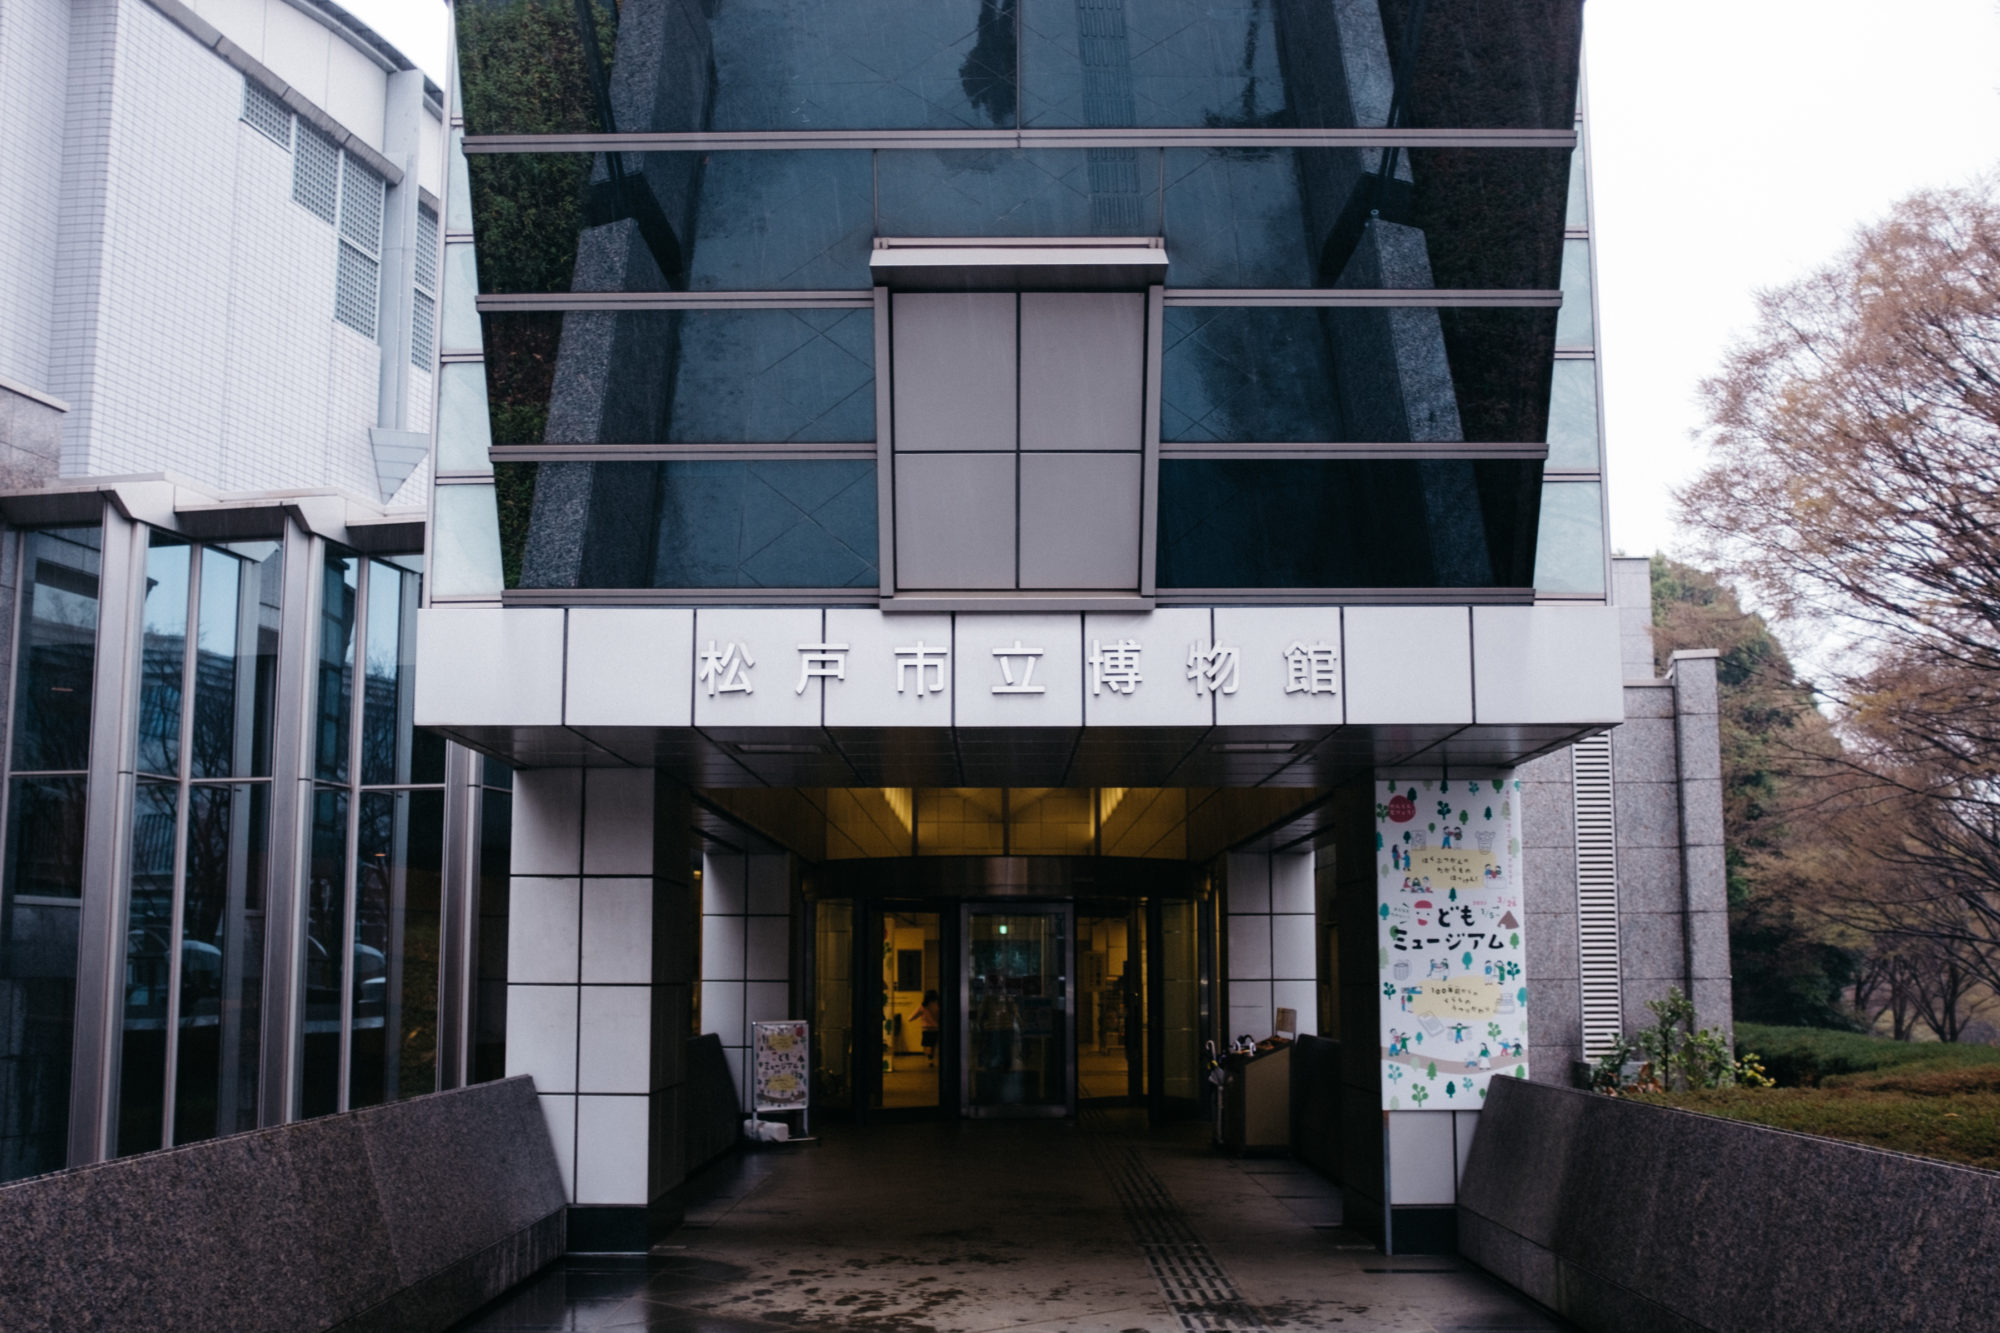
1346 524
58 650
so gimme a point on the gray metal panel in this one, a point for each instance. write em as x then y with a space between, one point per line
1080 520
953 359
1083 362
955 520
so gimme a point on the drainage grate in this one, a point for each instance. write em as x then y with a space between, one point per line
1200 1293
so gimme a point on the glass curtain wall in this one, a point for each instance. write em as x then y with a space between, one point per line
199 863
489 1001
374 883
41 894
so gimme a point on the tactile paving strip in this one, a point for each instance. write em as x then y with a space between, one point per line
1197 1289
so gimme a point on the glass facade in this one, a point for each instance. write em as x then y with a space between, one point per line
199 874
1284 320
374 904
185 863
42 891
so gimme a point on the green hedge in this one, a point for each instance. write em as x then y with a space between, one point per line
1808 1057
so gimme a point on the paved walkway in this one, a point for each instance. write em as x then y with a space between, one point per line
1014 1225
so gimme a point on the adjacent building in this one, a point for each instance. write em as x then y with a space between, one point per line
1034 536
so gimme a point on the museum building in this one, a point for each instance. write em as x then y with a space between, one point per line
1036 537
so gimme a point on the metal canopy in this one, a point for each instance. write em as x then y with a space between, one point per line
1068 263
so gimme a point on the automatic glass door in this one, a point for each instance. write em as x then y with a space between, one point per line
1019 1055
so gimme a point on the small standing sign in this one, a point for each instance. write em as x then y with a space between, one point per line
779 1078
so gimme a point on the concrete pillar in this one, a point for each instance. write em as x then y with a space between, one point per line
746 943
1704 872
1270 932
599 970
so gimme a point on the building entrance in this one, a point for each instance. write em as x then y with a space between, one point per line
987 1000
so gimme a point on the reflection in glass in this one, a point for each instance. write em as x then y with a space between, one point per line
489 1021
38 942
710 221
163 655
1570 555
325 954
987 64
1015 974
1249 374
57 650
1018 192
833 1004
1180 1001
1437 523
340 584
695 377
397 923
1574 321
222 962
149 947
1577 214
45 837
911 1011
458 194
1573 417
1111 1005
385 691
236 659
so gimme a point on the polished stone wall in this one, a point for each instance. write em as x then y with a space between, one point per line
403 1217
1635 1218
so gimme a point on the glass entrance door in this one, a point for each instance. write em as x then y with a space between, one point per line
1018 1058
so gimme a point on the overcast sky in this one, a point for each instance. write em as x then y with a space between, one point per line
1736 145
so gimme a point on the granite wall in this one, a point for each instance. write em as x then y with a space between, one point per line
403 1217
1644 1219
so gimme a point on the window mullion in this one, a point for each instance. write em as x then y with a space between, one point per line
357 701
178 909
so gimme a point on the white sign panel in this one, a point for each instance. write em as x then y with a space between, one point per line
1451 954
780 1078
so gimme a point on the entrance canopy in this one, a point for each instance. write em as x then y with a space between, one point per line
1234 697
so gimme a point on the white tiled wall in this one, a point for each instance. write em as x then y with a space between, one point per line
580 1001
166 285
1272 955
746 929
34 42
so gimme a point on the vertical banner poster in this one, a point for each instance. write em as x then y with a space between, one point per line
778 1077
1454 988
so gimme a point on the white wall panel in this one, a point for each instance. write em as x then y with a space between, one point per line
481 666
1409 664
630 667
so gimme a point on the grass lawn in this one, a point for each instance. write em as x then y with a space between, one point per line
1926 1098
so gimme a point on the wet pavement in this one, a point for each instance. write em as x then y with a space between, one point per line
1097 1227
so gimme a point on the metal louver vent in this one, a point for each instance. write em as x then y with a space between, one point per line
316 173
361 195
357 291
1597 895
423 329
266 114
427 250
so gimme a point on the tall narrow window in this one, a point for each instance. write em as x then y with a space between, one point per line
41 890
198 868
374 887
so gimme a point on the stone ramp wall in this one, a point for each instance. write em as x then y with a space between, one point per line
1645 1219
403 1217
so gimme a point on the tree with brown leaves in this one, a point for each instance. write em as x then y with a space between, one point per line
1853 489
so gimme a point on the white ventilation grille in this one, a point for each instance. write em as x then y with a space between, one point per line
423 328
361 193
1597 895
427 250
266 114
316 173
357 291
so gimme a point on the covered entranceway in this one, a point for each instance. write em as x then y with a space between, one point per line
1006 987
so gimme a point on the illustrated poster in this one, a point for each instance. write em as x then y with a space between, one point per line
1454 985
779 1077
